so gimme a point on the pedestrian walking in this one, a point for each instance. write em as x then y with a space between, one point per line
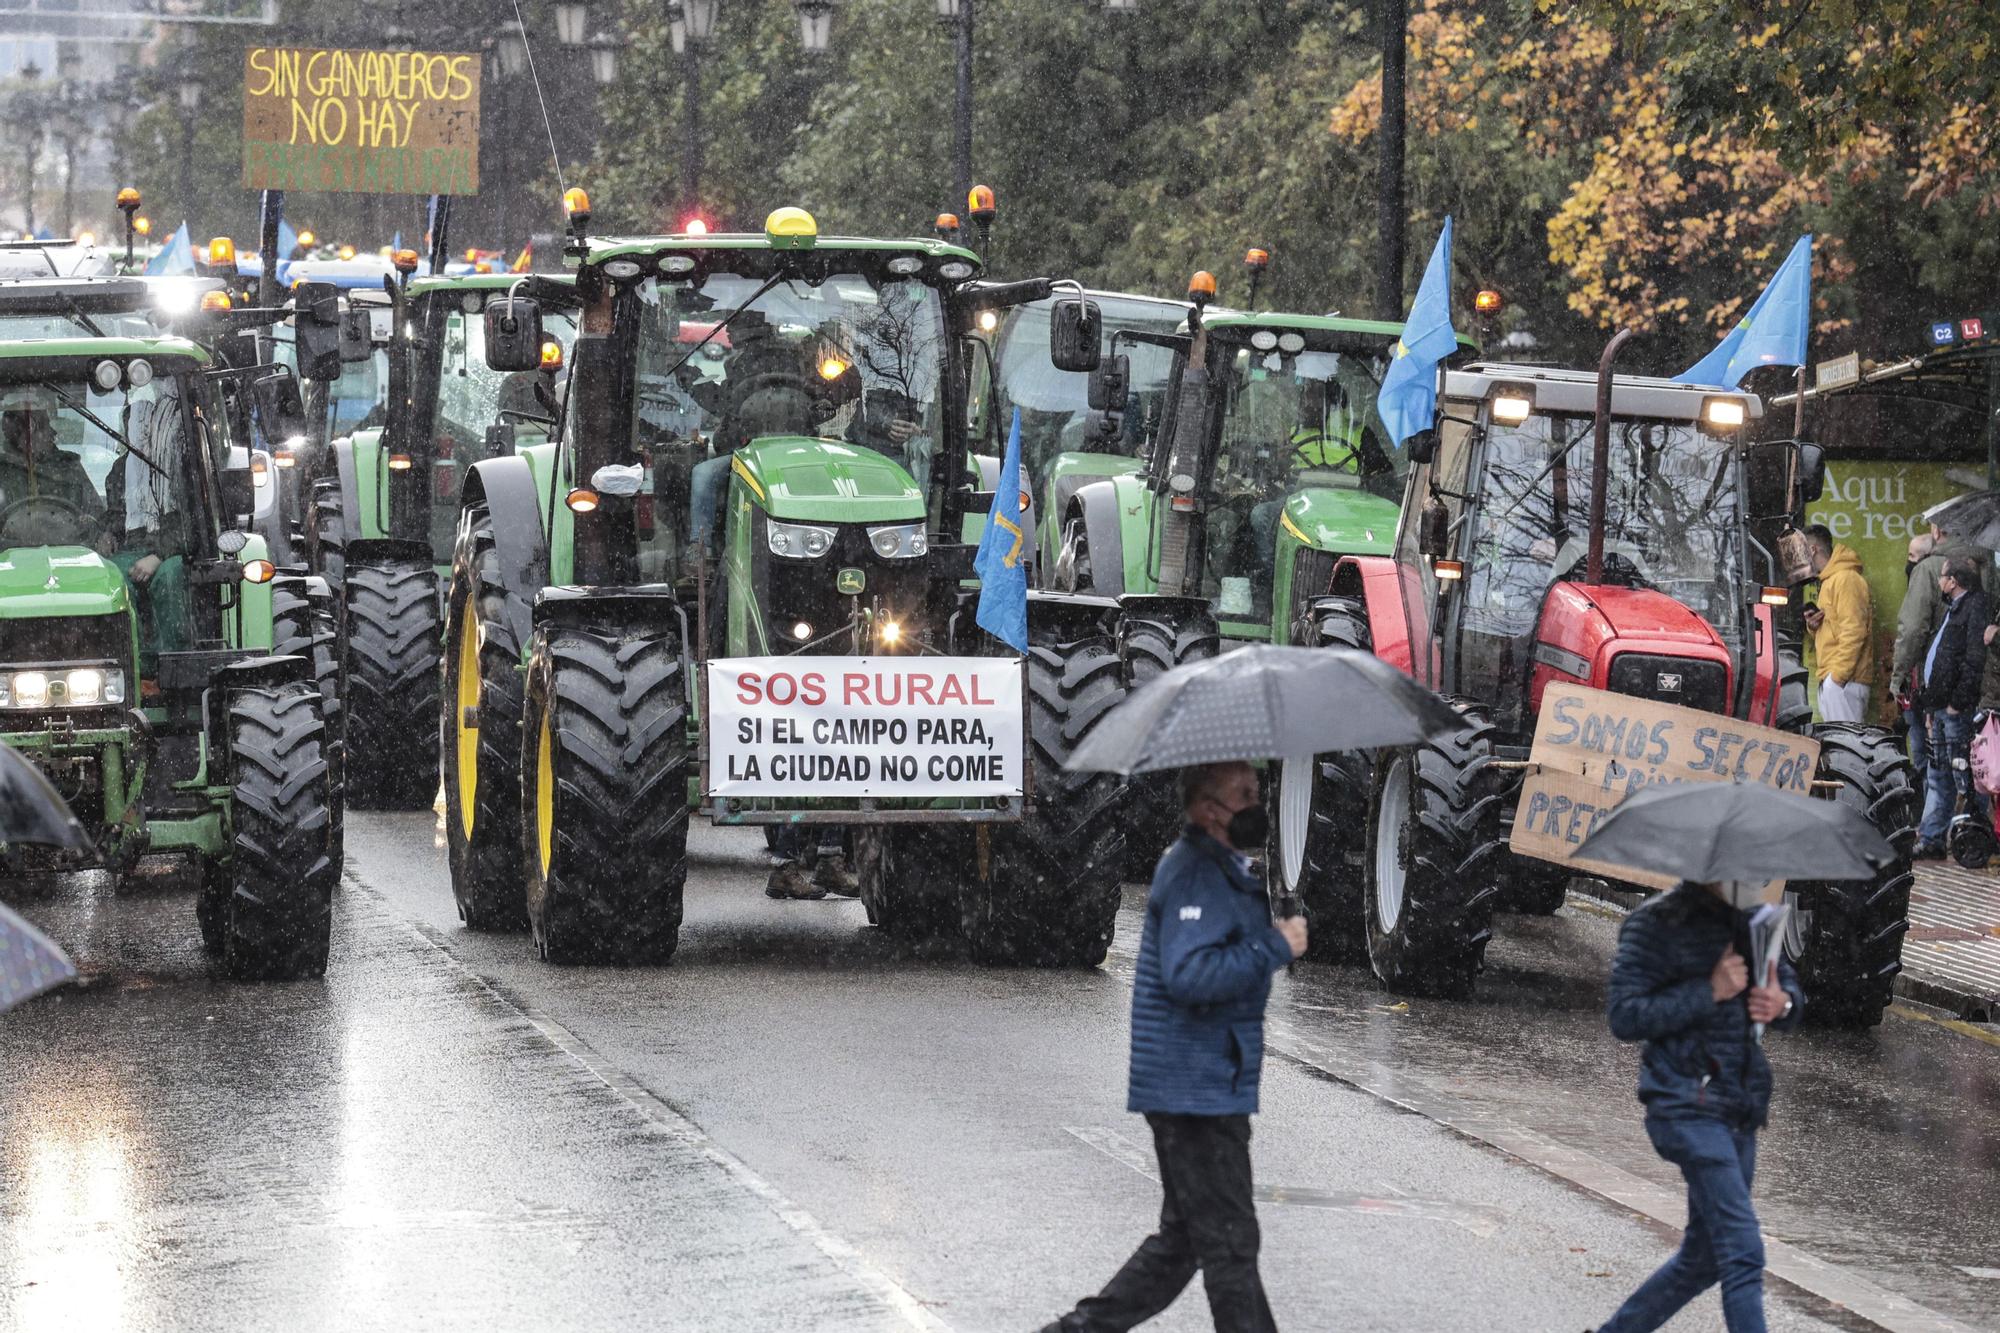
1950 680
1842 626
1206 957
1679 984
1916 621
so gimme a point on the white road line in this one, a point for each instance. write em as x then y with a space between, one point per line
649 1104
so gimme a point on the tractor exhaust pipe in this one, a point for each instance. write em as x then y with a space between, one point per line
1600 455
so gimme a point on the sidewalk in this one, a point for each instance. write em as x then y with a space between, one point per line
1951 957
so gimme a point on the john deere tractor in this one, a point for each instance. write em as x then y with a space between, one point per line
765 457
384 497
137 626
1565 530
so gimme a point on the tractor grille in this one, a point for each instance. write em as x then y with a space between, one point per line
65 639
1687 681
1312 576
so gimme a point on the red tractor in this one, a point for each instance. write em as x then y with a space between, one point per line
1564 528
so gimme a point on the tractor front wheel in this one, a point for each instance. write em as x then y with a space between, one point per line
903 888
604 780
392 681
481 727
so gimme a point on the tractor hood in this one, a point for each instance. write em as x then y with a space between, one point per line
805 480
1345 522
1635 615
48 581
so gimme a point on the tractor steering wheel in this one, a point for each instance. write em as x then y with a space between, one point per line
44 520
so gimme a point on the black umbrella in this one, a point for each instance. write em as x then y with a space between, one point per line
1972 518
30 962
30 809
1263 702
1710 831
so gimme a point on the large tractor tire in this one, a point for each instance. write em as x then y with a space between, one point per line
1319 812
1435 844
304 624
483 693
1795 707
270 913
604 777
1045 892
901 869
1847 941
326 533
1155 640
392 646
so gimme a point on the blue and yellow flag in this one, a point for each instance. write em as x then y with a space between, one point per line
1772 334
1407 400
175 257
1003 553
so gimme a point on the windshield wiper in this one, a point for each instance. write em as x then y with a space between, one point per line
713 333
105 426
76 313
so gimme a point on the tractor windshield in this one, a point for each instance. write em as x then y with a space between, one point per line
846 358
1055 407
1293 420
1672 519
471 396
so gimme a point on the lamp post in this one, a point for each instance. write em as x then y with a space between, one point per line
690 23
1394 17
815 25
957 15
27 118
509 63
189 91
72 131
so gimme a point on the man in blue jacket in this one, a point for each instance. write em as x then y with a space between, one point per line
1680 985
1206 958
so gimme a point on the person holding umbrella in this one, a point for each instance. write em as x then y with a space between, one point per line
1206 957
1681 985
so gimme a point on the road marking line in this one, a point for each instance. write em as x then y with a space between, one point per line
1958 1025
1807 1272
663 1114
1481 1220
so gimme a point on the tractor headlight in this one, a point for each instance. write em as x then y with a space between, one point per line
61 687
799 541
905 541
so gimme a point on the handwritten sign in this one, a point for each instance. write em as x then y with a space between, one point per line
1593 749
865 726
375 122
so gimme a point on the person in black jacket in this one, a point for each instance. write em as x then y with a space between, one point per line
1950 680
1679 984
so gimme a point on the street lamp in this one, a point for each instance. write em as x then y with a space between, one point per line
26 115
572 22
512 49
689 25
190 97
958 14
815 24
604 59
699 16
1121 6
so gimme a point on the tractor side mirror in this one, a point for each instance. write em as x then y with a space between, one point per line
1423 447
1434 529
1811 472
499 440
513 334
1076 330
316 331
356 335
1111 383
280 408
238 495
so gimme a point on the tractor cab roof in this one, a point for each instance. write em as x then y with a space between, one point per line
1323 332
58 258
1575 391
487 282
98 295
744 252
17 357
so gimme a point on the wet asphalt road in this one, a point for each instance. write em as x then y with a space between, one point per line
799 1126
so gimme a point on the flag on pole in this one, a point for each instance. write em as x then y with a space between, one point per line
1772 334
175 257
1003 548
288 241
1407 400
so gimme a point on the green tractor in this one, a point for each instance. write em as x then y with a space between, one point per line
138 621
1260 465
764 472
420 406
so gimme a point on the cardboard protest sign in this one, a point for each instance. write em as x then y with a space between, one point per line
1593 749
376 122
884 727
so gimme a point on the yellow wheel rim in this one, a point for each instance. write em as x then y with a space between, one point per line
545 792
468 735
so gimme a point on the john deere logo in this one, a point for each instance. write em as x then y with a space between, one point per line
850 582
1668 682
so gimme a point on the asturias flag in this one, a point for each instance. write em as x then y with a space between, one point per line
175 257
1003 551
1772 334
1407 400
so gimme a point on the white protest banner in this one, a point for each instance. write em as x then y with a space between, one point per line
885 727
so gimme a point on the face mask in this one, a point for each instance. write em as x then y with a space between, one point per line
1248 828
1743 894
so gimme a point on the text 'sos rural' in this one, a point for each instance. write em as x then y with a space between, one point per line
383 122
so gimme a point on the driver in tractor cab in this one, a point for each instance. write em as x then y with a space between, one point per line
146 522
34 465
763 392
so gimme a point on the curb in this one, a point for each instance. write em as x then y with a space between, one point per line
1971 1006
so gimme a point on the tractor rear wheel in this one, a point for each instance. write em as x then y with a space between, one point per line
392 681
1795 709
327 533
1319 812
482 736
1045 891
304 624
1155 640
275 915
903 888
604 778
1435 840
1847 938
